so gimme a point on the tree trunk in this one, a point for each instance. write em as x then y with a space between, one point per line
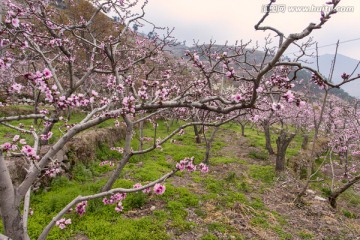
282 143
196 131
208 145
346 171
141 133
305 142
334 195
126 156
242 129
268 146
10 205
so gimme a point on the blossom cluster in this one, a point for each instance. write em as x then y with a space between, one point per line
158 188
103 163
188 164
63 222
118 149
27 150
280 79
81 208
318 81
53 169
115 199
46 136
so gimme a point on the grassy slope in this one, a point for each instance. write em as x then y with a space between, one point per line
240 198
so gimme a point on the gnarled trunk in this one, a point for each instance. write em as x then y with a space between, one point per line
282 143
10 205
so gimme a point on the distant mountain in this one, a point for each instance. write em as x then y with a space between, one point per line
179 51
343 64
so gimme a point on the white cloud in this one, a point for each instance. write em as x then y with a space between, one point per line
235 19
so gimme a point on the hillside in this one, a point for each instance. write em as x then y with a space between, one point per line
240 197
344 64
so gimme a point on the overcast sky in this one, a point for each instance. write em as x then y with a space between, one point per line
231 20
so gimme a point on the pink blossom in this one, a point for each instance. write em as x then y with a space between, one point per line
146 190
190 166
16 138
15 88
118 149
47 73
81 208
203 168
137 185
289 96
63 222
6 146
119 207
105 201
277 106
180 166
159 189
28 151
259 90
46 136
15 22
94 93
237 97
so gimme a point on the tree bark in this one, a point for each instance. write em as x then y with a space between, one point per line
197 135
209 144
334 195
141 135
242 129
10 205
305 142
282 143
196 131
268 146
126 156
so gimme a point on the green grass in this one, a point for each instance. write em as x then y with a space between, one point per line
265 174
205 196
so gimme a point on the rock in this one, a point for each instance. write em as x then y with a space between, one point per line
60 156
17 169
152 208
320 198
83 146
310 191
